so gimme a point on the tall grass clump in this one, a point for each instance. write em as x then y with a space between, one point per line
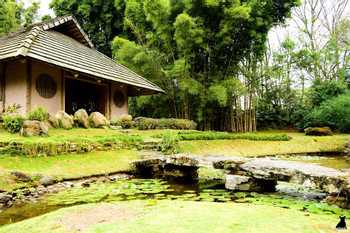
38 114
169 143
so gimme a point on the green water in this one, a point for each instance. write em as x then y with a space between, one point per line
153 190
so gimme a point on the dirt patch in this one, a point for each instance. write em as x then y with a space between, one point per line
78 221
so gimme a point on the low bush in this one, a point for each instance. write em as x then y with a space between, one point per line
124 121
164 123
318 131
38 114
334 113
13 122
230 136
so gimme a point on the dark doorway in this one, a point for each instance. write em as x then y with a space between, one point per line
89 96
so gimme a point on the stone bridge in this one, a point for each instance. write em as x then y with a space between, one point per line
243 174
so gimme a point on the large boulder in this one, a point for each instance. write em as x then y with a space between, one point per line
81 117
98 120
65 121
53 121
34 128
318 131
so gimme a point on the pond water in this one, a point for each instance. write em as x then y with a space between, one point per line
154 189
336 161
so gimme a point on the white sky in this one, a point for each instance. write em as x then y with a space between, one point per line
44 4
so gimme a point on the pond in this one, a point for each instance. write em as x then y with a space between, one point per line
153 190
336 161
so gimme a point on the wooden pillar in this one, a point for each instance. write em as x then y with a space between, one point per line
3 85
63 91
29 86
110 100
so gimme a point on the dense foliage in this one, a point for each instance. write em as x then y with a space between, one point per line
213 59
334 113
189 48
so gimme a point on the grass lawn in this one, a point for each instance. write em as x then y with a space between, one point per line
93 163
298 144
163 216
65 166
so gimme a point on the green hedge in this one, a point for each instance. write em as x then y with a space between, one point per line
143 123
230 136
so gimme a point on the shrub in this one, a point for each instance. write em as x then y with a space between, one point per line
334 113
165 123
318 131
13 122
38 114
125 121
169 144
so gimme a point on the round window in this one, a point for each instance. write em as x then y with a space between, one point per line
119 98
46 86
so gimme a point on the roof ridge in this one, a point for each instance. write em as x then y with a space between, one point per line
29 40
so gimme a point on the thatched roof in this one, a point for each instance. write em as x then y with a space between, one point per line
63 43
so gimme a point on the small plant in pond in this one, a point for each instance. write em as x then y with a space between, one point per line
13 122
38 114
169 144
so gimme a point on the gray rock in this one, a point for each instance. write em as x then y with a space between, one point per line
65 121
34 128
5 198
98 120
81 118
46 181
20 176
238 183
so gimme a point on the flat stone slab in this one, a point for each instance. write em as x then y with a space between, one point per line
268 168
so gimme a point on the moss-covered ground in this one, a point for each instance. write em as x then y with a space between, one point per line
298 144
95 163
65 166
176 217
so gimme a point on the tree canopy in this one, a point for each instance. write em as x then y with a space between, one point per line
13 15
191 48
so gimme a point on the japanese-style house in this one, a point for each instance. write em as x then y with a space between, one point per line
54 65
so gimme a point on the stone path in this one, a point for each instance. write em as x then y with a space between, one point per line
243 174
